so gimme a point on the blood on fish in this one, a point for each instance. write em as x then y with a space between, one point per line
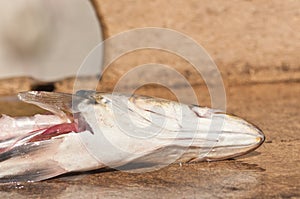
55 131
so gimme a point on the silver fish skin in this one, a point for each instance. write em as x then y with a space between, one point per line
90 130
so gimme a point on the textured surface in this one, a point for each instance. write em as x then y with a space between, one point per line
271 171
250 41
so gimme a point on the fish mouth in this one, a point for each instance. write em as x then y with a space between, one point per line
21 130
62 118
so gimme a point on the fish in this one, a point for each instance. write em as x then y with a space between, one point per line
91 130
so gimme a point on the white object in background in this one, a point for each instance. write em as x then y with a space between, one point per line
47 40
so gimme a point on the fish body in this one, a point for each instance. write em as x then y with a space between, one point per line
89 130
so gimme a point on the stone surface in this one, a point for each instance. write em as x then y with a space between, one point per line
272 171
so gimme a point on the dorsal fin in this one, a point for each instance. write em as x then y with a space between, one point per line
58 103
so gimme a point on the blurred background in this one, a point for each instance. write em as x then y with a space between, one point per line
45 41
251 42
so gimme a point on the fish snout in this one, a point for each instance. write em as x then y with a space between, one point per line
237 137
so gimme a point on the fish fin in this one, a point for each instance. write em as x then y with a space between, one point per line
26 163
57 103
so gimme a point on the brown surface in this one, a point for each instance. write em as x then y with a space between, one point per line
271 171
250 41
11 86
